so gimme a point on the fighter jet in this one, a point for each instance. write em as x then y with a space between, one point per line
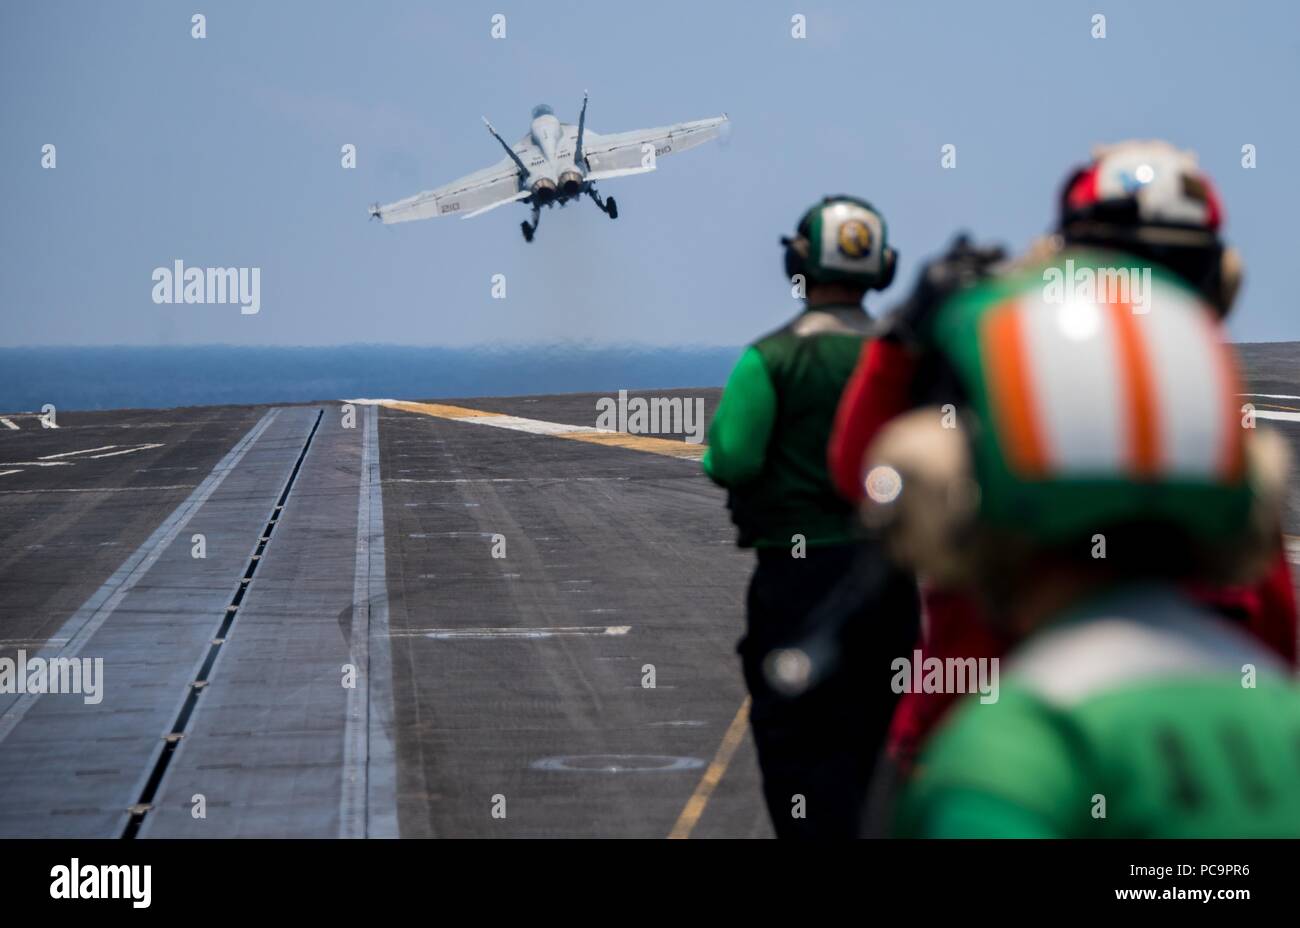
554 163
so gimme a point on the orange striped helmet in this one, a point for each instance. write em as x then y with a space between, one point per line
1085 409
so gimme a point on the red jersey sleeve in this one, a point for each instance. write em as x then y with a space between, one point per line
1275 622
1265 608
879 390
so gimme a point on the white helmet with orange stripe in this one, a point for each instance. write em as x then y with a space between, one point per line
1080 418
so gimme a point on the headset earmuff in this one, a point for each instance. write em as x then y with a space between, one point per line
796 255
888 265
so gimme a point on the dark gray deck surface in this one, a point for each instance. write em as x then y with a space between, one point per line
596 537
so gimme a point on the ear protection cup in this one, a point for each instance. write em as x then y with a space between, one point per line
890 262
796 256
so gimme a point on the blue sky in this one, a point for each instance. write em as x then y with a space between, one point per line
225 151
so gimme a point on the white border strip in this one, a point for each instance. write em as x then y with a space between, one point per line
368 807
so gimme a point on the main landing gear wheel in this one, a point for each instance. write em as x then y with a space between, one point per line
608 206
530 228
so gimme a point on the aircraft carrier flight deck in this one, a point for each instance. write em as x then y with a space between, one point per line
452 617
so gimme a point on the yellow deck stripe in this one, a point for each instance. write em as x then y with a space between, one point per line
676 449
439 410
664 446
690 816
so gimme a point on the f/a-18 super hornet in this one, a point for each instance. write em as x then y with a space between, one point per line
554 163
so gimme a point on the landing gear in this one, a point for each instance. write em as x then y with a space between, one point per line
530 228
609 207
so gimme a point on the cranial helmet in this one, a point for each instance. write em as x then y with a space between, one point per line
841 240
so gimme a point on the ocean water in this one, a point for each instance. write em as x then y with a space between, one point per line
131 377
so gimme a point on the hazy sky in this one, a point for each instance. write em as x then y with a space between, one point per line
225 151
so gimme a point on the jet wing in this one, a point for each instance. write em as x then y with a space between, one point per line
473 194
627 153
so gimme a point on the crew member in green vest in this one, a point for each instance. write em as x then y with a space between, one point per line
1099 460
767 446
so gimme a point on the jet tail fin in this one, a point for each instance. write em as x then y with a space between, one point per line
523 171
582 120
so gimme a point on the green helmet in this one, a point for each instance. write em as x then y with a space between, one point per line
841 240
1085 410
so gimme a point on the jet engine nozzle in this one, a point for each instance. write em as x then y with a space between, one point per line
571 183
544 190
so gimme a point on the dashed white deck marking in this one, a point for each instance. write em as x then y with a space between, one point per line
68 454
51 460
561 631
452 535
113 454
501 479
9 424
6 473
172 486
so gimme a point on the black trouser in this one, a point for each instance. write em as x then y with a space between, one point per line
823 745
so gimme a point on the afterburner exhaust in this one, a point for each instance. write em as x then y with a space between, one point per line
544 191
570 183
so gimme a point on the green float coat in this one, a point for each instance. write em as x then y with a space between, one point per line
767 442
1135 699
